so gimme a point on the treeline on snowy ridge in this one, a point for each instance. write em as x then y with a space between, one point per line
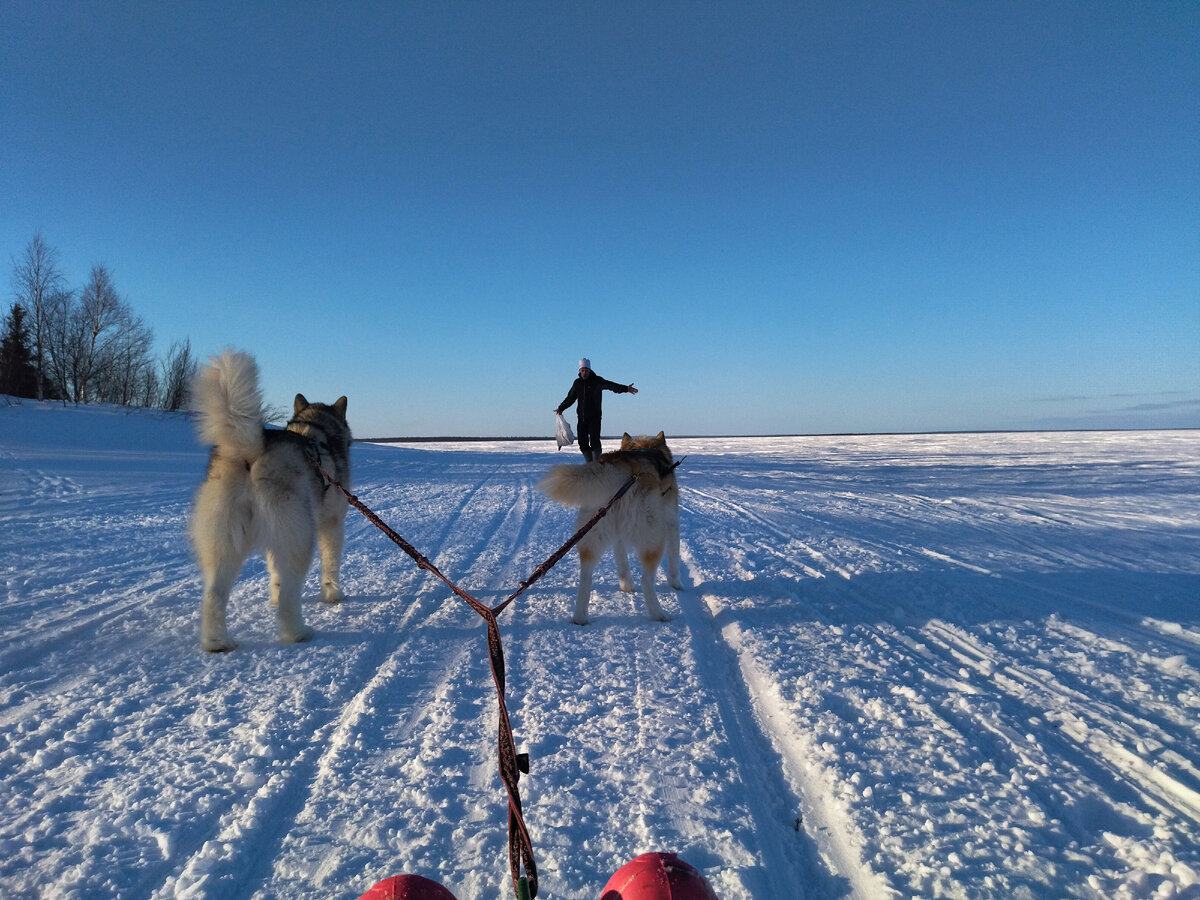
83 345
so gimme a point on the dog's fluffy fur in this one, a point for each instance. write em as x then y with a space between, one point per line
262 491
646 518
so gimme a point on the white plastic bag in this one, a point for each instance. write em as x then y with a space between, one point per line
564 435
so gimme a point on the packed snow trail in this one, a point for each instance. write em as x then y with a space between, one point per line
944 665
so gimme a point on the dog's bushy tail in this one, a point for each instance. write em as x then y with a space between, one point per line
586 486
227 397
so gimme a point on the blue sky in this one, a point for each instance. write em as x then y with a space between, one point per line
770 217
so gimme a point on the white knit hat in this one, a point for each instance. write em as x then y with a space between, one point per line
585 363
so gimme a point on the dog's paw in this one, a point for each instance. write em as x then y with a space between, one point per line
660 616
212 645
331 595
300 636
627 586
678 584
580 620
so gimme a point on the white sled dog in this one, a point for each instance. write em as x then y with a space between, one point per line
646 518
263 492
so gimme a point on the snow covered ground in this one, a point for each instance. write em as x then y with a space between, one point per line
936 666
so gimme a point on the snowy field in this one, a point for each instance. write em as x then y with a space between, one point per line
928 666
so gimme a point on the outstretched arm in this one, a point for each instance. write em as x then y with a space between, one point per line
618 388
570 398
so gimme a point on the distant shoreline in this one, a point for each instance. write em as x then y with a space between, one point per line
459 439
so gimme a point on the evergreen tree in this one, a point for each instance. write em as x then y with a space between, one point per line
18 374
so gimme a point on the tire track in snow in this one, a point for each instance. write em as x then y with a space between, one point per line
221 863
788 539
1107 741
891 641
1103 732
104 615
986 719
222 860
982 524
391 705
660 673
670 674
792 859
1170 792
397 699
832 862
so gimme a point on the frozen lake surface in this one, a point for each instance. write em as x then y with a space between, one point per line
938 666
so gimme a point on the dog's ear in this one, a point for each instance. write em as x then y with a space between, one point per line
626 441
300 405
662 437
339 407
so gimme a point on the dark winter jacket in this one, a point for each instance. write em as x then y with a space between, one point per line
587 393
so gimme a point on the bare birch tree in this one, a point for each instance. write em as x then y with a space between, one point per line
99 349
178 370
101 318
35 280
61 342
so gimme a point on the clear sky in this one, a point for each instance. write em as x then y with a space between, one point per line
771 217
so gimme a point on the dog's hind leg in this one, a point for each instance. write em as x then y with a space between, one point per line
588 557
624 573
287 581
221 551
673 575
651 557
214 633
330 538
220 570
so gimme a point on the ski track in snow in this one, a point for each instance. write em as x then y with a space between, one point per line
905 666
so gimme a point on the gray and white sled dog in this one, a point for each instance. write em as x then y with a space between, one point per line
646 518
263 492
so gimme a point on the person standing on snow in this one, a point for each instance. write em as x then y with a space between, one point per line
586 394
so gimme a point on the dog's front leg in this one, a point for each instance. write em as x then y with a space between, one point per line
650 560
673 569
624 573
674 577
